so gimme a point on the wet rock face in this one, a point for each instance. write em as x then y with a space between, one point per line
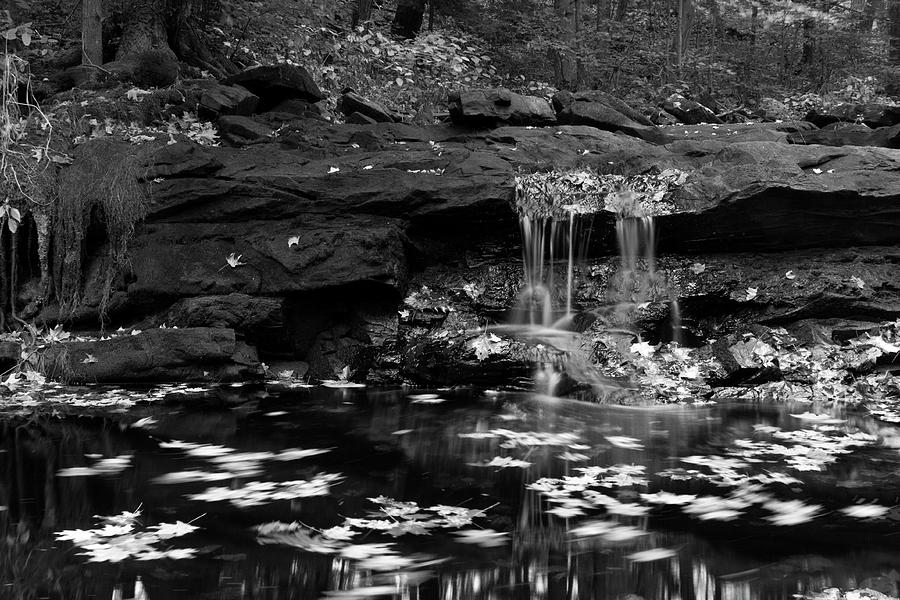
190 354
488 108
871 114
338 224
274 84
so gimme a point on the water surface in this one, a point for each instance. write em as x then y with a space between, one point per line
311 493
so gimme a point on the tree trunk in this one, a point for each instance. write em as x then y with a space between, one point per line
621 10
91 33
565 65
894 31
683 31
169 25
362 12
144 29
408 18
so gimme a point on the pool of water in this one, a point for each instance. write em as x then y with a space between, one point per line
350 493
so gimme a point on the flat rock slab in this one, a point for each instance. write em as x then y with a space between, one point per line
155 355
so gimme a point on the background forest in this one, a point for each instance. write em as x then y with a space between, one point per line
728 54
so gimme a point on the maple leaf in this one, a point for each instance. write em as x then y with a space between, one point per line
234 260
293 241
697 268
645 349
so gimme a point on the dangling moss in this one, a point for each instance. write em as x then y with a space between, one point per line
103 187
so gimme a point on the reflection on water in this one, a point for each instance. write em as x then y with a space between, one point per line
355 493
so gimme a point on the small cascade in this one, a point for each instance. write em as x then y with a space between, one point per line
637 243
545 238
675 318
556 217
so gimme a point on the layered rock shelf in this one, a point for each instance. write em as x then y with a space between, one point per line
305 237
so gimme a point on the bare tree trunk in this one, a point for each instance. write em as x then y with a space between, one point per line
621 10
362 12
408 18
564 63
894 31
91 32
144 28
683 32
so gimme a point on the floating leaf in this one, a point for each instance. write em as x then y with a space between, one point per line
651 555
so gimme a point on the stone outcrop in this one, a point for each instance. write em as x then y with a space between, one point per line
277 83
489 108
153 355
687 111
600 110
871 114
849 134
306 243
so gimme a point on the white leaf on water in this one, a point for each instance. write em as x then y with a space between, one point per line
866 511
573 457
371 591
486 538
503 462
165 531
698 268
668 498
293 241
340 383
790 275
298 453
426 399
333 170
818 418
651 555
339 533
628 443
208 450
791 512
565 512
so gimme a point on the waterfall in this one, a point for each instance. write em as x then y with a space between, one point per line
556 216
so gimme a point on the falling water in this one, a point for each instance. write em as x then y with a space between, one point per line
675 318
543 237
637 243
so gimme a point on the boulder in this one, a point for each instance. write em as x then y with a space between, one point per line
687 111
599 110
660 117
242 312
849 134
496 106
295 107
351 102
871 114
274 84
239 130
155 355
357 118
564 99
218 99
